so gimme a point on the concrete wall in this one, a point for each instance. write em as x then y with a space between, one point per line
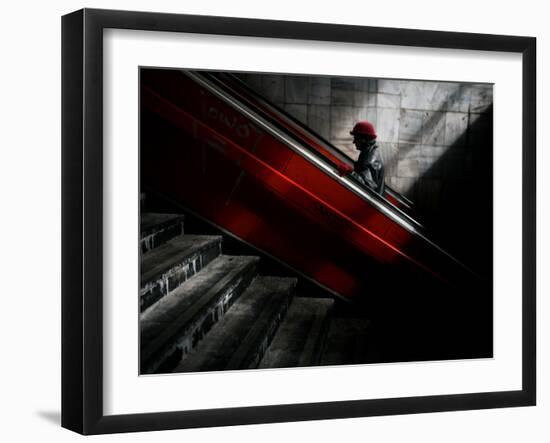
435 137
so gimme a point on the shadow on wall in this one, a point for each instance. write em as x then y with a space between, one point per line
409 140
455 195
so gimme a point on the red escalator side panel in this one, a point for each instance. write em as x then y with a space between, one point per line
251 211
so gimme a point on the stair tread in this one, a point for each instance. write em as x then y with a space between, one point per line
151 221
347 342
157 261
298 339
180 307
241 331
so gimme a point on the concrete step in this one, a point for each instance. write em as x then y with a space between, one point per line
164 268
156 229
176 323
300 338
240 339
348 342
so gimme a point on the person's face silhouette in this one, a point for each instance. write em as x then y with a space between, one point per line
360 142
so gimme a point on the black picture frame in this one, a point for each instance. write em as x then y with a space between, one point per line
82 219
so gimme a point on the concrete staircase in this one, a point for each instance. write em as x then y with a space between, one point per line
201 310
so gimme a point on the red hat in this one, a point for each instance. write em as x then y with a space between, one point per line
364 127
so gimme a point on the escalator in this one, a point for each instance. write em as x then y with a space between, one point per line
214 146
293 127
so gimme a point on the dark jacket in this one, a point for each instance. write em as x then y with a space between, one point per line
369 168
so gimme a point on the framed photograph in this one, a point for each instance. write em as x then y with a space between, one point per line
269 221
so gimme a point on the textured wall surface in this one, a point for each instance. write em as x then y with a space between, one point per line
435 137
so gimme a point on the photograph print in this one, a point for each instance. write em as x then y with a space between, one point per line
303 220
